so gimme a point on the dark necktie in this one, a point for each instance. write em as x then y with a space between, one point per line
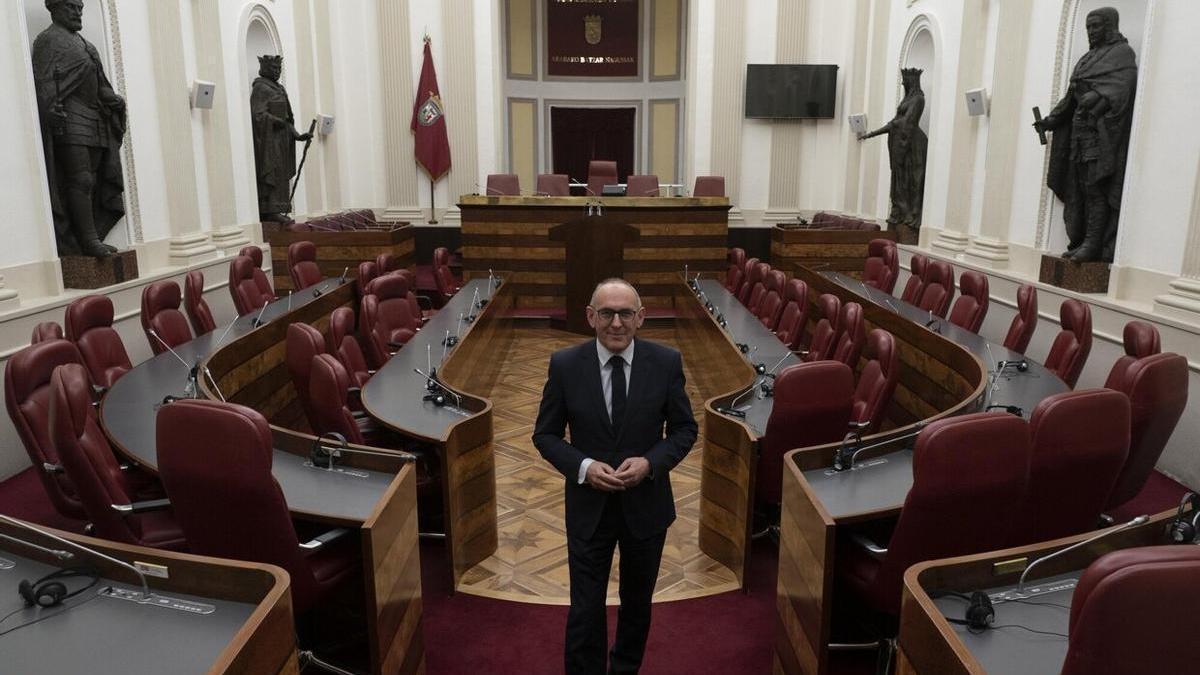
618 392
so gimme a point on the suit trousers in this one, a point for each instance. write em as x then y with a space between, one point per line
590 561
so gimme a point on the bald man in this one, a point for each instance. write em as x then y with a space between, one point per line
631 423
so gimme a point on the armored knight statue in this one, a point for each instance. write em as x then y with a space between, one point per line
83 122
275 140
1091 139
907 147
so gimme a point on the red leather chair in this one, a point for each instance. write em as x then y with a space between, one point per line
758 290
1157 389
641 186
46 330
247 296
194 305
1080 442
242 513
883 265
329 386
812 407
553 185
103 489
386 263
709 186
1141 340
876 382
1025 322
822 343
443 277
260 277
790 330
1070 349
851 335
367 272
1133 611
27 397
343 343
972 304
748 280
385 320
89 325
302 264
771 306
441 257
939 288
160 313
916 280
968 472
503 184
734 273
302 344
601 173
821 218
421 311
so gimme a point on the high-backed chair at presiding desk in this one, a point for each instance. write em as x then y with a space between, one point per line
237 620
375 494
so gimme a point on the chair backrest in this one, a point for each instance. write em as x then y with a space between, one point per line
736 259
367 272
86 455
968 472
877 381
1141 340
160 313
503 184
330 388
553 184
822 342
771 306
709 186
939 287
1070 349
916 280
27 397
343 343
386 317
1025 322
812 407
758 286
46 330
247 296
238 514
1157 389
89 325
1133 611
641 186
302 344
972 305
1080 442
600 173
747 285
260 277
881 267
790 329
851 335
194 304
302 264
441 256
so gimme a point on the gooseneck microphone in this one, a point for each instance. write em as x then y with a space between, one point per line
1021 366
1020 592
345 271
326 457
847 453
731 409
258 319
438 391
190 389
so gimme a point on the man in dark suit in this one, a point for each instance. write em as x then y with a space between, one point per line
625 405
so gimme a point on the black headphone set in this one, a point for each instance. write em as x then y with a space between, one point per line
980 614
1182 528
324 457
50 591
1010 409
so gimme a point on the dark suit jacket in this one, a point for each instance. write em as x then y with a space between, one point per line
573 397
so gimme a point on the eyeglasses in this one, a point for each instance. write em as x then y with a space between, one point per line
606 315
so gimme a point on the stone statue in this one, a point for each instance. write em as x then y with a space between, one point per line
274 141
1091 139
83 122
907 146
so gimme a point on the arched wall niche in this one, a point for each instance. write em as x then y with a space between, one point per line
1073 44
921 49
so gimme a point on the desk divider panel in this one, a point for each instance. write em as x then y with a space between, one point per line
839 250
340 249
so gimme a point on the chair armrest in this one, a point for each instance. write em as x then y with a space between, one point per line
142 507
394 345
871 547
321 540
97 389
860 425
52 468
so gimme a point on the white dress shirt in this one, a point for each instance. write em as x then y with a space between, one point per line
606 386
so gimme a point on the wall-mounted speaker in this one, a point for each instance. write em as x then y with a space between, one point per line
977 102
858 123
203 94
325 124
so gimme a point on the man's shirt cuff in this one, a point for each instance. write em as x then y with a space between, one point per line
583 467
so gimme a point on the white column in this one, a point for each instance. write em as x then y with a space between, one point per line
327 146
1184 299
397 87
728 75
458 95
881 103
783 198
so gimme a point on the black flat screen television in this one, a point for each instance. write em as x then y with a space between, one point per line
790 91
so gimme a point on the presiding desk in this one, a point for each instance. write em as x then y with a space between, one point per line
248 631
376 495
511 235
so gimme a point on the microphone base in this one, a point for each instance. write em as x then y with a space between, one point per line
156 600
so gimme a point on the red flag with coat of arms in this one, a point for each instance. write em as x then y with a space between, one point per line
429 122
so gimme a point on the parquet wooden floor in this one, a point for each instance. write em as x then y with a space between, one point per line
530 564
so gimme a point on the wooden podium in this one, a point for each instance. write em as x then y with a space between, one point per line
595 251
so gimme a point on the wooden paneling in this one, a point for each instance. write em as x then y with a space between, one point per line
840 250
338 250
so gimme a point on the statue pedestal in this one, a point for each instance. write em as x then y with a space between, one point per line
1089 277
81 271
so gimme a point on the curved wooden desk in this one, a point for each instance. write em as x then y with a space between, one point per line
377 495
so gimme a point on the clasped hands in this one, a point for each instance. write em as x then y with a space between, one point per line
631 472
